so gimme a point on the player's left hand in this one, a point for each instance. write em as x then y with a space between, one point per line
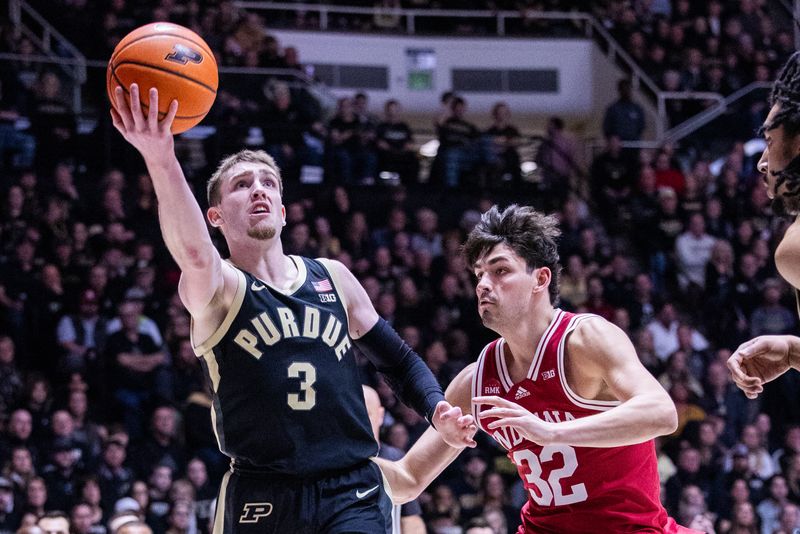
456 429
515 416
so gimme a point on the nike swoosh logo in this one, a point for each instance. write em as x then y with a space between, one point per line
362 494
255 286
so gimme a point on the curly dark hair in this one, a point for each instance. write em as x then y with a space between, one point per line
530 234
786 93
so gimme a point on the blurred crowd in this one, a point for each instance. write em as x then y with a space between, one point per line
104 413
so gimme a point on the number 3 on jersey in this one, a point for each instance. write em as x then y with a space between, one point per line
309 395
550 491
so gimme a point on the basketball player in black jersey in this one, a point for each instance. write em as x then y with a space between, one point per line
274 334
765 358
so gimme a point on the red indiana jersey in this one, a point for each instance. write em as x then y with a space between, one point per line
571 490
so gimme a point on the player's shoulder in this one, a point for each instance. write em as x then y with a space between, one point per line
595 338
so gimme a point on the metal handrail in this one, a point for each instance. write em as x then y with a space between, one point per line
696 122
301 79
592 27
75 59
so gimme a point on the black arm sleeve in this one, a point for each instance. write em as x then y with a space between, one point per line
405 371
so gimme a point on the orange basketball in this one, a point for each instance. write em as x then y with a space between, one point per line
173 59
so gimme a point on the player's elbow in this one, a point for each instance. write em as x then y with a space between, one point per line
404 496
668 417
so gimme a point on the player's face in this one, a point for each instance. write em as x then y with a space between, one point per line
505 288
781 149
251 202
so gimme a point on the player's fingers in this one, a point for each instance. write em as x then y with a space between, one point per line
466 420
499 412
116 120
441 408
737 372
152 114
122 108
511 421
166 122
136 106
492 400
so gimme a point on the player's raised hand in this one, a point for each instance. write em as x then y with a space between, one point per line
515 416
759 361
151 137
456 429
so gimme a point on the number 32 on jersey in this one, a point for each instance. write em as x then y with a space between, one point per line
550 492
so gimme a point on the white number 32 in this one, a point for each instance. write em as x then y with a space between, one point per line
550 491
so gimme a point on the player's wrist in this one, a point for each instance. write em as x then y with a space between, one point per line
794 352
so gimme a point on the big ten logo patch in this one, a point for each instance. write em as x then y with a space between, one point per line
327 297
255 511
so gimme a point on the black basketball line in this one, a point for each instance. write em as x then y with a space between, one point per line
152 36
147 106
162 69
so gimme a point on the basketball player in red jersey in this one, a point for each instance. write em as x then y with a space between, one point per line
564 394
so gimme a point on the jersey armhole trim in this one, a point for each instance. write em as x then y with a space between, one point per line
576 399
222 329
477 380
336 284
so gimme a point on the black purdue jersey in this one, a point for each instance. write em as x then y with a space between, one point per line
287 394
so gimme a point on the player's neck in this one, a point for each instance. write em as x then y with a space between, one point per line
523 338
267 262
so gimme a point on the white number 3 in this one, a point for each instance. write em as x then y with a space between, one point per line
551 491
309 373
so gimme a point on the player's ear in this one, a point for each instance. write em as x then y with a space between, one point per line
283 214
543 276
214 215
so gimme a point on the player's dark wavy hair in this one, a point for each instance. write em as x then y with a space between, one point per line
530 234
786 92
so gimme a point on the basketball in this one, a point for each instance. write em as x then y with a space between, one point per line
174 60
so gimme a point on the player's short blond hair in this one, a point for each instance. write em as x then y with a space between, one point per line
247 156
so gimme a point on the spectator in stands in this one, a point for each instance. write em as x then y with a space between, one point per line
352 161
55 522
624 118
693 251
138 368
161 446
81 519
9 509
395 143
772 317
284 128
458 148
82 336
61 476
612 178
52 122
769 510
17 148
11 383
204 492
503 153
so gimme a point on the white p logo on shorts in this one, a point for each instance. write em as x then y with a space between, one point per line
254 511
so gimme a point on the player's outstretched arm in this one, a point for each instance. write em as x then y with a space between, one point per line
762 360
787 255
182 222
603 351
430 455
405 371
